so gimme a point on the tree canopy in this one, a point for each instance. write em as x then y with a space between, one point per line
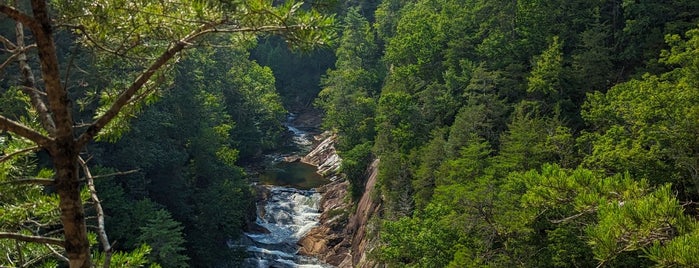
113 58
527 133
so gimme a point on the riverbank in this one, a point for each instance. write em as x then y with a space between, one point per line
339 233
344 234
287 201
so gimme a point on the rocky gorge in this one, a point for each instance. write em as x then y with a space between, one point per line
304 221
343 237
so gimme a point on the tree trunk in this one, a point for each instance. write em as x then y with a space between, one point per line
65 160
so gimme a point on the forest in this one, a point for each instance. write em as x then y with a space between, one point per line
521 133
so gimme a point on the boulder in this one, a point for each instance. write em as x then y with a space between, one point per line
324 156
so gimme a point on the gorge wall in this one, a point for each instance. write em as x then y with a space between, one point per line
343 236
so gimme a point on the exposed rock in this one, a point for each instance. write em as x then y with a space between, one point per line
327 241
324 156
358 223
341 238
292 158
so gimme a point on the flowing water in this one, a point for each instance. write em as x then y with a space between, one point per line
288 215
291 210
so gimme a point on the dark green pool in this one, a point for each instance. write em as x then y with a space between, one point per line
295 174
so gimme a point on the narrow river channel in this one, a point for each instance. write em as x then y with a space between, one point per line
290 210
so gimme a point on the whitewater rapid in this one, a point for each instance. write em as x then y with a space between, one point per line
288 214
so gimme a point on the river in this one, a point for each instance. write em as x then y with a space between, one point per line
290 211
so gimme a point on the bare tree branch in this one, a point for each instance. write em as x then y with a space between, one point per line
101 232
116 174
24 131
16 53
29 83
8 44
58 254
32 238
13 154
35 181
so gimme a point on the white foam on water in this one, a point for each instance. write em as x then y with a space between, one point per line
289 214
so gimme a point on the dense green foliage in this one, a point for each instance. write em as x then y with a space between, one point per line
187 197
510 133
524 133
172 191
186 148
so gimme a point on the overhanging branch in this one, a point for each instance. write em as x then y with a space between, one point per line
140 81
18 152
125 97
7 124
35 181
32 239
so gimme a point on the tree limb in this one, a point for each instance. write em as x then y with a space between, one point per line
58 101
8 44
101 232
116 174
140 81
58 254
35 181
125 97
29 83
7 124
575 216
32 239
12 154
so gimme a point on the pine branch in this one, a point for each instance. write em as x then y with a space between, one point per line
116 174
7 124
35 181
13 154
125 96
32 239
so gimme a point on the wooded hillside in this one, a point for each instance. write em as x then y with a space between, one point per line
524 133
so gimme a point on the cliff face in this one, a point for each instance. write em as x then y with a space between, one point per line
359 222
341 238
